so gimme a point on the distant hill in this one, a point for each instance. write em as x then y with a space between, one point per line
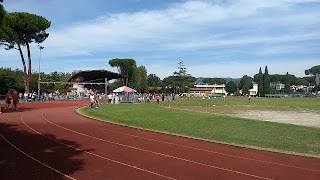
232 79
200 80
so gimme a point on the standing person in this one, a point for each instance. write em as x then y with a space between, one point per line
25 97
91 100
15 100
162 98
8 99
109 98
96 100
158 99
249 98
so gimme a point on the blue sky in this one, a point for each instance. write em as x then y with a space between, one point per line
214 38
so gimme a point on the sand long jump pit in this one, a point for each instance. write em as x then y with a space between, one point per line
303 118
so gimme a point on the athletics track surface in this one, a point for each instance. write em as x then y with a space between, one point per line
51 141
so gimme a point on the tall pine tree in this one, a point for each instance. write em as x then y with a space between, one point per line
260 83
287 84
266 82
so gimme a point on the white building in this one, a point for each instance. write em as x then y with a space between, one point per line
208 90
253 91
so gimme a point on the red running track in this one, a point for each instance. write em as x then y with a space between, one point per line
51 141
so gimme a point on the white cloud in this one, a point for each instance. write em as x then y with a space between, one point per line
215 33
237 69
183 26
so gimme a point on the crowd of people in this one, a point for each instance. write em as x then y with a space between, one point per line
96 99
12 99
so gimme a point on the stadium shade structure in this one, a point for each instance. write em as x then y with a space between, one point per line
89 77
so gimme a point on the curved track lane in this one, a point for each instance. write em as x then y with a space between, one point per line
51 140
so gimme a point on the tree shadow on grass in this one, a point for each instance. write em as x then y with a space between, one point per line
16 165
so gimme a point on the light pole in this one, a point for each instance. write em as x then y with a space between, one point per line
39 79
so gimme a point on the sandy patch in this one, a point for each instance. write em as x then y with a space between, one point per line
303 118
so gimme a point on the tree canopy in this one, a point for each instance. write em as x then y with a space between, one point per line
245 84
214 80
13 80
125 67
287 88
153 80
266 82
231 87
2 16
260 82
20 29
140 79
313 70
2 12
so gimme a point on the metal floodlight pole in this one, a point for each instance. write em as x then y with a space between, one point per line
106 86
39 79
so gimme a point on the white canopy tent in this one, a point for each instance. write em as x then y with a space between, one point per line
124 89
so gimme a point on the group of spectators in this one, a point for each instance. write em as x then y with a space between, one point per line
12 99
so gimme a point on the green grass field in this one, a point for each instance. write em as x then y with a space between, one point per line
207 119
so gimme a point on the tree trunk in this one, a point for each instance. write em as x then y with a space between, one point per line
25 78
29 61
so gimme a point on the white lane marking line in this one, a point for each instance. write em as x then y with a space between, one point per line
55 170
157 153
99 156
204 150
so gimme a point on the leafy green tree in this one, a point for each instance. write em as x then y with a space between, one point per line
140 82
11 80
112 86
245 84
231 87
54 77
266 82
20 29
315 71
306 80
188 82
126 67
287 88
182 81
283 77
153 80
260 83
2 12
214 80
170 83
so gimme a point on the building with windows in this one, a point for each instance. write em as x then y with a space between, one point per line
208 90
277 85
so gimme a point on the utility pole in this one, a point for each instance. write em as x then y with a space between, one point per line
182 73
39 79
106 86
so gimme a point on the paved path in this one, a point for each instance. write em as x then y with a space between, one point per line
51 141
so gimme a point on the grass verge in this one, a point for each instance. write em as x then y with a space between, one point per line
213 127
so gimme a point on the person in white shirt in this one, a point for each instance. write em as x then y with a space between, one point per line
91 97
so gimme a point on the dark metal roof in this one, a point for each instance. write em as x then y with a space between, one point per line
94 76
